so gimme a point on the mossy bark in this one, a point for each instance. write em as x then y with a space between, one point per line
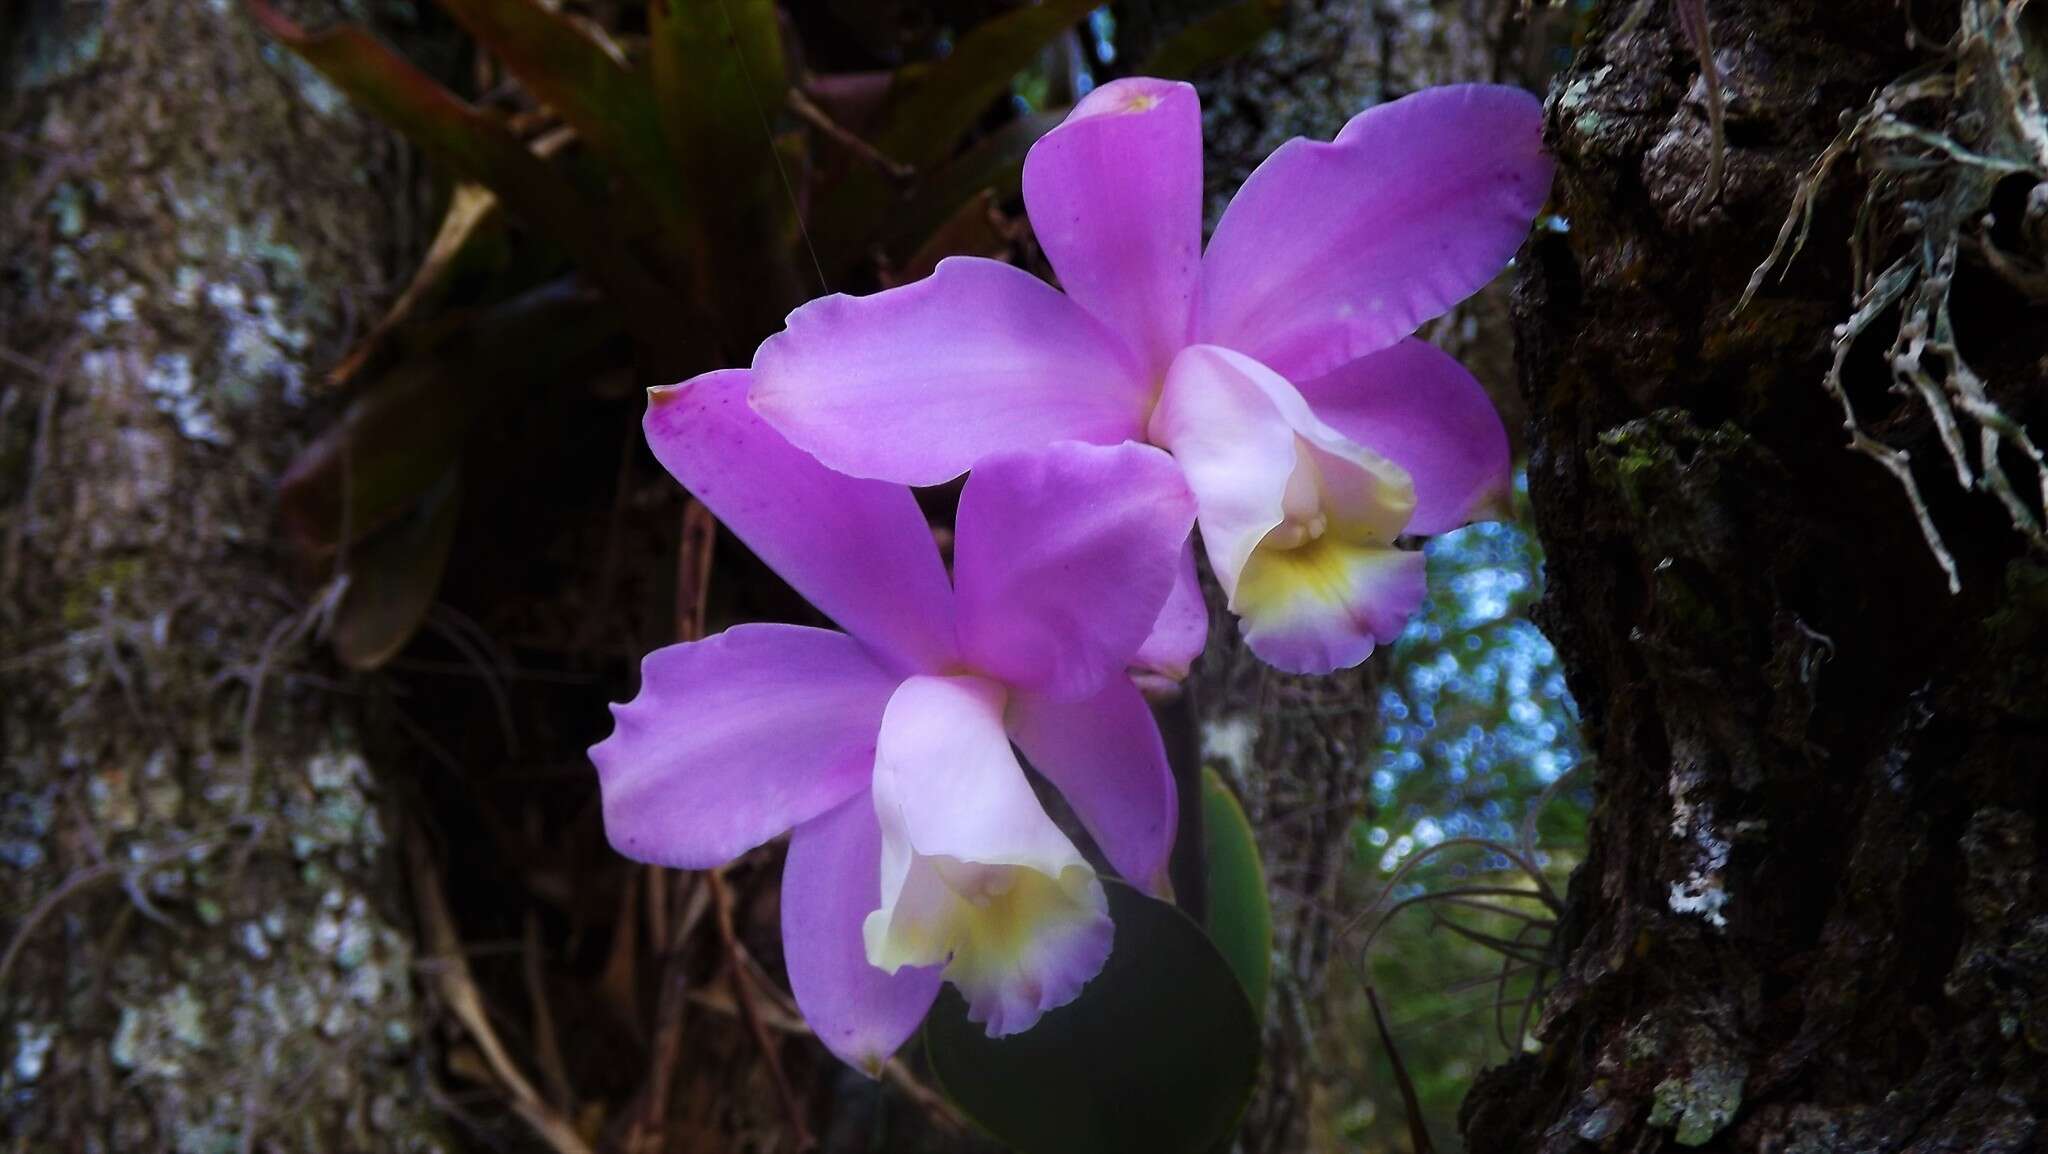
206 952
1812 914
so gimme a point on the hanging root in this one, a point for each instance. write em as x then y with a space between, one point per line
1939 188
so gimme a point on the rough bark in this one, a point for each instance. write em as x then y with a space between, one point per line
1811 916
205 948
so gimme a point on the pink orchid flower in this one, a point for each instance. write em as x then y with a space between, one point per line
919 852
1278 367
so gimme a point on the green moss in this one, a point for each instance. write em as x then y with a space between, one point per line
1701 1104
100 583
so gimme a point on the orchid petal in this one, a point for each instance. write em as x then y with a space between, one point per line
1115 199
1106 757
974 874
736 738
859 550
830 883
916 383
1327 605
1063 559
1417 406
1179 633
1332 251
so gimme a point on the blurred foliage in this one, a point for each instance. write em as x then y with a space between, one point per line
1478 730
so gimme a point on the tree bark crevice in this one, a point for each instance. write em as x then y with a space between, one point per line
1810 916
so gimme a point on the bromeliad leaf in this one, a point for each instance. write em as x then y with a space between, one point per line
564 65
1212 39
399 436
392 578
932 106
458 136
719 79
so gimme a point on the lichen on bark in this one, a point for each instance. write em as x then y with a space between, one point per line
205 949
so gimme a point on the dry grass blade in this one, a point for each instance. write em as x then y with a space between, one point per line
750 1012
456 985
1411 1104
471 208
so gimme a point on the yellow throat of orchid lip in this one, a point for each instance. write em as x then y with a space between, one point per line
975 918
1328 533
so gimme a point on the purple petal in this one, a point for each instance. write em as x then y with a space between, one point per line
1332 251
1063 559
1180 631
1326 606
917 383
831 882
973 871
1115 197
1106 757
1417 406
859 550
736 738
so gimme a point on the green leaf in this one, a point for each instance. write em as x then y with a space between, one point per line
932 106
720 81
393 577
1240 913
567 67
1157 1055
1213 39
995 163
454 133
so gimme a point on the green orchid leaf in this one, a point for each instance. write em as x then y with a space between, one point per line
1157 1054
1240 913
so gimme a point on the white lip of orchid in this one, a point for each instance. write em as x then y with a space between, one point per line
1019 932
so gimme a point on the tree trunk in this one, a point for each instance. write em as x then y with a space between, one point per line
204 943
1811 916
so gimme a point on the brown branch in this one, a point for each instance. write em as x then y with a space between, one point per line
750 1013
